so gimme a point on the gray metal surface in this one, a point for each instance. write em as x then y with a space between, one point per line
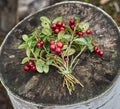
108 100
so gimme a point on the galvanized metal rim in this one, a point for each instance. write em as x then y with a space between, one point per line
50 105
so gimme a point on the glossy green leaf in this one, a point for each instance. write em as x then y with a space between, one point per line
45 19
90 47
32 43
67 37
28 51
25 37
69 29
71 51
60 34
80 41
86 26
46 68
23 45
39 65
46 31
39 68
89 38
37 52
77 19
26 59
41 36
57 19
45 25
64 47
49 61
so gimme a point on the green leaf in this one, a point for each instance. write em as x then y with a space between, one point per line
77 19
89 38
90 47
41 36
67 37
49 61
64 47
57 19
39 68
28 51
45 25
39 65
46 31
32 43
26 59
69 29
23 45
25 37
35 32
45 19
85 26
46 68
80 27
37 52
60 34
71 51
80 41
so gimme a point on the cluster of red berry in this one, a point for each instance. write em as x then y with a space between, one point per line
56 46
98 51
40 44
72 23
57 27
30 66
79 33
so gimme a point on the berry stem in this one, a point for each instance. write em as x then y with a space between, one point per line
45 49
77 56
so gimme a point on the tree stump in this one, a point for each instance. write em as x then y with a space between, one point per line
100 76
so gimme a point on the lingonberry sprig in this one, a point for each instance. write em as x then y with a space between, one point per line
57 44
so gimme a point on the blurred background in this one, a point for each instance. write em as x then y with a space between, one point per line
12 11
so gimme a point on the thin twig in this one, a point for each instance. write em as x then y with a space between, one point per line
77 56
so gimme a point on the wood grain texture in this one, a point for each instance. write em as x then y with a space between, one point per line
47 89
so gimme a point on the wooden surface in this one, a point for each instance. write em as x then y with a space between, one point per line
27 28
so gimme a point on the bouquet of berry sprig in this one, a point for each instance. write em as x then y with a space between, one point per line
57 44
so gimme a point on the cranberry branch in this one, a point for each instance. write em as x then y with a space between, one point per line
57 44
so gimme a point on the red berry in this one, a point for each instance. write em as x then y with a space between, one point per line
26 68
72 27
53 26
88 31
59 44
56 30
62 28
95 48
80 33
97 51
101 53
58 50
52 42
31 63
42 42
72 21
33 68
66 58
38 45
59 24
52 47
